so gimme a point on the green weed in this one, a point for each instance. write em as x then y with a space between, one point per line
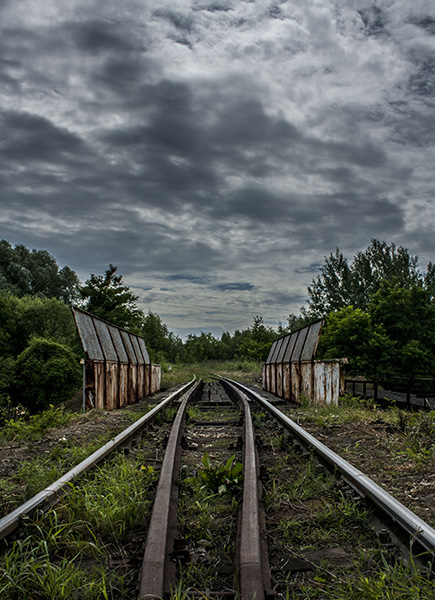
219 479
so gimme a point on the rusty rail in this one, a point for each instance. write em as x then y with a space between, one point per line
156 575
52 493
417 530
253 563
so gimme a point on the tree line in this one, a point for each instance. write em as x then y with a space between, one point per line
39 346
379 310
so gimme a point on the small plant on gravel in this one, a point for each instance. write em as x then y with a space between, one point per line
219 479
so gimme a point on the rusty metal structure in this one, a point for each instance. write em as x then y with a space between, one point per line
291 372
117 368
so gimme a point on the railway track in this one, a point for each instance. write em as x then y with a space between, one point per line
209 533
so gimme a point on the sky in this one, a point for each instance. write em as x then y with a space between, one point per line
216 151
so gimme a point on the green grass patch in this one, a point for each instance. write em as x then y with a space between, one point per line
243 371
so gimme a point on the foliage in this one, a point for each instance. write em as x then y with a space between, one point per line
107 297
24 272
342 284
28 427
45 373
350 333
162 344
393 338
220 479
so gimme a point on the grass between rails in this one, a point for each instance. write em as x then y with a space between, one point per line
85 547
41 460
306 515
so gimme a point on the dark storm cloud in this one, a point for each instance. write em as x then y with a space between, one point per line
224 147
99 36
26 137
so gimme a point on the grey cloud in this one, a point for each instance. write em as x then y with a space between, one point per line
237 286
28 137
98 35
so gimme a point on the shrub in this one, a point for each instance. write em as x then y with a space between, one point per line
45 373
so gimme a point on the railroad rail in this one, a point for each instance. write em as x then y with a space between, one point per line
52 493
162 553
252 573
408 525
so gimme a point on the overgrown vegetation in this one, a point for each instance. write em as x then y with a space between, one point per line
67 552
310 518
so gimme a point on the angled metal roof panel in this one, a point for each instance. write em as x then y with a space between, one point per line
88 335
280 354
271 352
312 340
118 343
144 350
128 347
105 340
290 346
299 345
135 343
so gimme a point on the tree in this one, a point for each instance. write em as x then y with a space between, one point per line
107 297
350 333
45 373
342 284
161 343
36 273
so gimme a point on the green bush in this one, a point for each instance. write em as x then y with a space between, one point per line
45 373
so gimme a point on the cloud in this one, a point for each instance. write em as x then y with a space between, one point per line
216 151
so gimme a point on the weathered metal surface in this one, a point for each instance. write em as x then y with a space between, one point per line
251 577
105 340
111 386
279 345
273 378
123 384
295 382
271 352
144 350
416 528
100 384
311 340
128 347
279 369
299 345
156 374
286 381
127 374
154 580
52 493
137 350
88 335
282 348
306 383
118 343
132 384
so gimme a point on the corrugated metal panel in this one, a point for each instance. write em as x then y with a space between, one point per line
144 350
128 347
281 349
137 350
271 352
312 340
105 340
290 347
119 346
297 351
88 335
